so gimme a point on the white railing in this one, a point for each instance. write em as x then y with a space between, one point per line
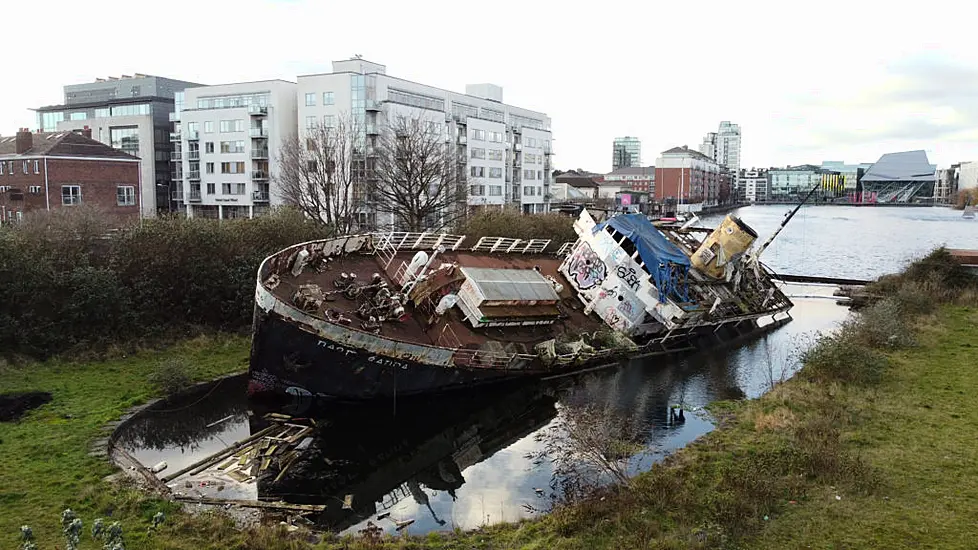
387 244
565 248
506 244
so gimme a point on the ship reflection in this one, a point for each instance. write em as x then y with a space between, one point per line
363 461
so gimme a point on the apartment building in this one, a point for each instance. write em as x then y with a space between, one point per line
504 152
226 138
686 176
53 170
626 152
753 182
723 146
129 113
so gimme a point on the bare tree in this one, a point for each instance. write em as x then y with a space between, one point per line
416 176
322 172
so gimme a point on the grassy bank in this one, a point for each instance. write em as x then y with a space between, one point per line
46 467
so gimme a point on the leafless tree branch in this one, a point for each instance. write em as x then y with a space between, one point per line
416 176
321 173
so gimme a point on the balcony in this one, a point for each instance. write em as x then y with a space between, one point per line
194 195
192 135
176 156
175 116
258 133
177 195
193 155
259 196
463 139
175 137
257 110
193 175
259 154
518 146
259 175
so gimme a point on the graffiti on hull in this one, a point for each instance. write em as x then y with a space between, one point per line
586 267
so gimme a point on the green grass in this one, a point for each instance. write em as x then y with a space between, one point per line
920 433
45 466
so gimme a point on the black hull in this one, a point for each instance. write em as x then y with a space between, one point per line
288 360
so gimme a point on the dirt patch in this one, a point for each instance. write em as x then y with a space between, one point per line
14 405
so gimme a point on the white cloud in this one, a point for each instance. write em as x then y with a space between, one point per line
666 72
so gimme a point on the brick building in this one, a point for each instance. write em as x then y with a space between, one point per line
50 170
687 176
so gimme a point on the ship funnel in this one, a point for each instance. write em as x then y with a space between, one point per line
722 248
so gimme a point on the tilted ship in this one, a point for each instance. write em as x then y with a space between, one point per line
385 315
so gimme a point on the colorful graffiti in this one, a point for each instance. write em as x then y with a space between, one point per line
586 268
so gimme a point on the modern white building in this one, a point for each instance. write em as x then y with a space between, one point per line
229 136
723 146
504 151
967 176
754 184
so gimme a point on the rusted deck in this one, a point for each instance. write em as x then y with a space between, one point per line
450 330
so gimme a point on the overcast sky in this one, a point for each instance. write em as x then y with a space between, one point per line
806 81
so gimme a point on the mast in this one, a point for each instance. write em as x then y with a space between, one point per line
784 222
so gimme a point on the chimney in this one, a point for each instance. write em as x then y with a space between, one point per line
87 132
24 141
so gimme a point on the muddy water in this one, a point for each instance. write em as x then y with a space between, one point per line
502 455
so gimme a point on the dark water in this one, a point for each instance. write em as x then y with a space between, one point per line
483 458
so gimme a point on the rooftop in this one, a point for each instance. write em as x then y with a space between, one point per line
686 150
61 144
903 166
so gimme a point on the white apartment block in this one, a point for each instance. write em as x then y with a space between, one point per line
229 136
754 182
504 151
723 146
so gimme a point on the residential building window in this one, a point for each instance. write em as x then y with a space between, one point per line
478 153
211 188
530 142
209 167
34 190
479 135
529 191
232 146
327 98
228 126
495 190
310 100
1 167
310 122
329 121
25 164
209 147
477 190
125 195
496 154
540 175
232 168
240 188
529 174
209 127
495 172
79 116
125 138
496 137
477 171
71 195
226 188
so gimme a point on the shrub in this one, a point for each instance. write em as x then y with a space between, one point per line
171 376
844 357
68 282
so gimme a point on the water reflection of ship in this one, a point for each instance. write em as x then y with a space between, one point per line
381 459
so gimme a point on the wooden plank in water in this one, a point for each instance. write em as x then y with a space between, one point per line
253 504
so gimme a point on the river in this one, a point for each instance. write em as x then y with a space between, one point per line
504 455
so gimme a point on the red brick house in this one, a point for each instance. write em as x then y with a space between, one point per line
50 170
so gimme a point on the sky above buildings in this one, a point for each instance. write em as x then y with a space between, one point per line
806 82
